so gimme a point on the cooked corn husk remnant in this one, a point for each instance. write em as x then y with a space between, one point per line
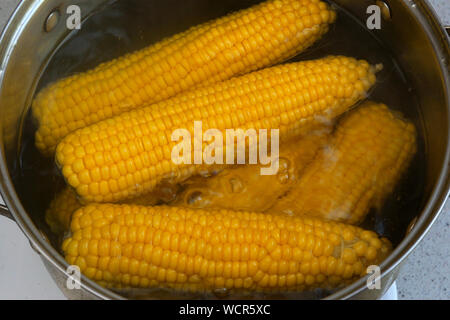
242 187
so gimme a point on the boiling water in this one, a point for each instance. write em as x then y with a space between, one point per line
128 25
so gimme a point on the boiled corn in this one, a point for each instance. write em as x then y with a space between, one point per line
200 251
59 213
129 155
60 210
371 149
236 44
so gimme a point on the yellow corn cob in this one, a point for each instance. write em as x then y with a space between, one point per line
369 152
236 44
61 208
244 188
130 154
59 213
200 250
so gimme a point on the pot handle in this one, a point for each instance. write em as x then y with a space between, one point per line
4 211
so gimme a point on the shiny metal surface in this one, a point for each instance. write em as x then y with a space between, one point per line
385 10
422 49
424 53
5 212
25 50
52 21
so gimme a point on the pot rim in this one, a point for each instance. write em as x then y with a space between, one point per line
437 35
440 42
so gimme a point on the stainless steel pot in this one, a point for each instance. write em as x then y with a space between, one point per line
410 28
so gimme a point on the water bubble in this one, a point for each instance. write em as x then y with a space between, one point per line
284 164
283 171
283 178
236 185
194 197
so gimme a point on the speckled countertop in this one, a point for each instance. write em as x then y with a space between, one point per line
426 273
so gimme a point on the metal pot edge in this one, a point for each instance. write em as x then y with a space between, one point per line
440 40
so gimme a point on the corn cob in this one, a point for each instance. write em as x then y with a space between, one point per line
369 152
61 208
199 250
241 42
130 154
243 187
